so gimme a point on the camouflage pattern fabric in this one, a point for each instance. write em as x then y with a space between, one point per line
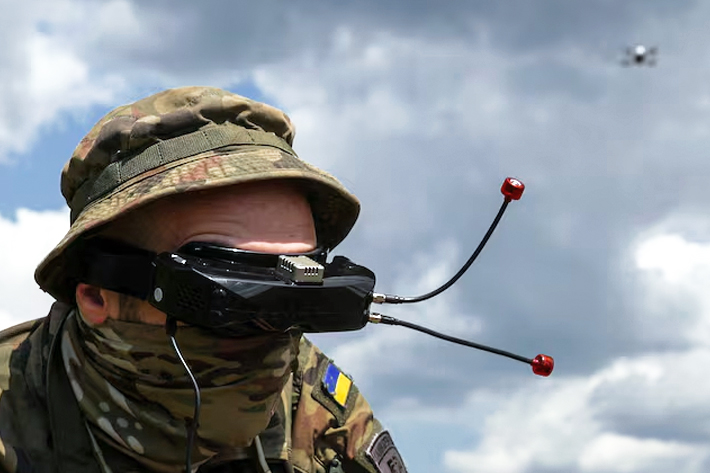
182 140
305 428
322 430
135 393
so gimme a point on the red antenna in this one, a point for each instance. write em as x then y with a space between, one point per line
512 189
542 365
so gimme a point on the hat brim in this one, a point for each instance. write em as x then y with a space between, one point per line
335 209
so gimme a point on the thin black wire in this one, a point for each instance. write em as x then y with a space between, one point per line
192 425
392 299
260 456
387 320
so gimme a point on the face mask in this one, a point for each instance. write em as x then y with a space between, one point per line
136 394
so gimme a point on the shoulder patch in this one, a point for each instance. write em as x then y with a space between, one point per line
334 390
384 454
336 384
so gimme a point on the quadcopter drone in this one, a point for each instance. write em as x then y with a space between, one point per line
640 56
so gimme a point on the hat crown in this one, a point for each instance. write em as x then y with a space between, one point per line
129 129
179 141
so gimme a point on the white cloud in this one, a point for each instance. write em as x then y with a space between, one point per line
41 72
24 241
640 414
675 259
679 273
618 453
528 429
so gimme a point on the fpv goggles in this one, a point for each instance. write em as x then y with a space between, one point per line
240 293
236 292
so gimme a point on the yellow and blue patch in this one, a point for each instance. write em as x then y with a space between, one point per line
337 384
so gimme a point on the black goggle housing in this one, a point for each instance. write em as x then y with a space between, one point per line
236 292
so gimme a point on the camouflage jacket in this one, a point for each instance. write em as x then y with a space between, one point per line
313 431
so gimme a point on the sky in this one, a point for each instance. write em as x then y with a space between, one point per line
422 109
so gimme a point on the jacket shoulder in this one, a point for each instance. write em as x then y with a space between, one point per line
25 440
332 420
10 339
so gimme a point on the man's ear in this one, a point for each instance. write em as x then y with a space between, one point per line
96 304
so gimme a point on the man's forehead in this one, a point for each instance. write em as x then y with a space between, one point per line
225 216
260 216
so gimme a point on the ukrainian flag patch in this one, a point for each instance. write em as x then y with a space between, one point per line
337 384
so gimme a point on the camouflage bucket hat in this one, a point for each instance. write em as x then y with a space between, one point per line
182 140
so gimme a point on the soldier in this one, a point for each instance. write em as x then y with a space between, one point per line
96 386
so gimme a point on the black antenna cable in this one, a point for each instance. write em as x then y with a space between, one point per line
542 365
194 423
512 189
